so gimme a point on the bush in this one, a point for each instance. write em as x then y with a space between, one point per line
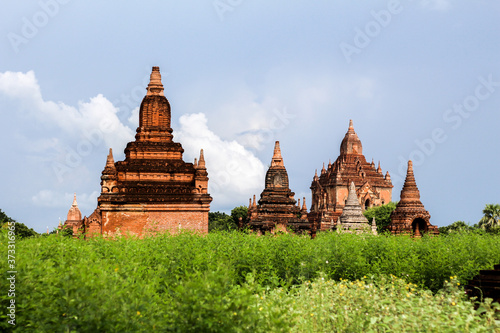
190 282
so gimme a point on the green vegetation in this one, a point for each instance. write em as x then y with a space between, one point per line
218 221
382 215
22 231
491 218
234 282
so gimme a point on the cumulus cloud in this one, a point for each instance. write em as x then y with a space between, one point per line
95 119
235 173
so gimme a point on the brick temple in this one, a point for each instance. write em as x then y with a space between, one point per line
410 216
331 188
277 210
153 189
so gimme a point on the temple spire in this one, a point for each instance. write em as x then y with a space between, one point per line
75 204
155 87
351 144
379 169
110 161
277 158
201 161
410 191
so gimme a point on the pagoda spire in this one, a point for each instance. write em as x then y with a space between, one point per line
277 158
110 161
351 144
410 192
155 87
379 169
201 161
75 204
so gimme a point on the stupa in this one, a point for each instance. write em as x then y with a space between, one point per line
352 218
277 210
153 189
410 215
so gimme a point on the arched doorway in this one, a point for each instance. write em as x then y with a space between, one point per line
367 204
418 226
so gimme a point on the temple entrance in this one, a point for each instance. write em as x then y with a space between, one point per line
418 227
367 204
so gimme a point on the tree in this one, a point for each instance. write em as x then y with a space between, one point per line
21 230
455 227
237 212
491 218
382 215
218 221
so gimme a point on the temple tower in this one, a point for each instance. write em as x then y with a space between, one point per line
277 209
153 189
410 215
330 189
74 217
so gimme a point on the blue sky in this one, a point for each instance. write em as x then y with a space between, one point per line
420 79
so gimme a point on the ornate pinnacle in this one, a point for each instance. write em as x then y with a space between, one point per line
201 162
110 162
277 158
155 87
75 204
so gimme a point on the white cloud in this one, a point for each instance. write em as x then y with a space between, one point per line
235 173
95 121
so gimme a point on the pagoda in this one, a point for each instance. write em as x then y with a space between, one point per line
410 215
153 189
330 189
352 219
74 218
277 210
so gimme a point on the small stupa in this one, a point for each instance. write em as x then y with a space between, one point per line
352 218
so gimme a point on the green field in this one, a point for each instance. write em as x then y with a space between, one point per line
235 282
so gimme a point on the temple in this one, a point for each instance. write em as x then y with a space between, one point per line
74 218
153 189
330 189
277 210
410 215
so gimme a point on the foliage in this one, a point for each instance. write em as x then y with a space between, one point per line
458 226
491 218
218 221
21 230
209 283
382 215
237 212
381 304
